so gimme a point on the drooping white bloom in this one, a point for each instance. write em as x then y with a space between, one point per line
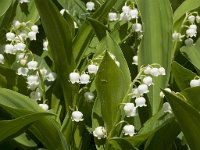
23 1
20 46
143 89
77 116
162 94
32 65
33 82
89 96
44 106
22 58
147 70
155 72
99 132
74 77
51 76
16 24
195 82
92 69
84 79
90 6
193 26
129 130
32 35
9 49
177 36
162 71
133 13
137 27
135 60
1 59
167 107
45 45
140 102
112 16
124 16
34 28
148 80
189 42
43 72
191 32
22 71
23 34
10 36
198 19
191 18
130 109
125 9
36 95
135 93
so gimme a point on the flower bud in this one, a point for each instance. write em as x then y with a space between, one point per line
44 106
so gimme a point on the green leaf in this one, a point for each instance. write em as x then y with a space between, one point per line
5 4
192 53
182 76
188 119
27 12
156 42
85 33
12 128
46 130
186 6
58 32
111 89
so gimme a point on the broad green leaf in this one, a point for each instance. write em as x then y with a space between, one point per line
192 96
25 141
182 76
46 130
5 4
85 33
111 89
12 128
186 6
57 30
192 53
188 119
156 42
27 12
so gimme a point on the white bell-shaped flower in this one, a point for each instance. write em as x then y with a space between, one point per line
32 65
33 82
143 89
147 80
189 42
140 102
125 9
191 18
1 59
135 93
155 72
129 130
112 16
99 132
84 79
43 72
23 35
133 13
51 76
147 70
167 108
135 60
124 17
89 96
32 35
77 116
130 109
195 82
20 46
36 95
74 77
162 94
162 71
92 69
10 36
45 107
191 32
16 24
9 49
137 27
45 45
34 28
193 26
22 71
198 19
90 6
